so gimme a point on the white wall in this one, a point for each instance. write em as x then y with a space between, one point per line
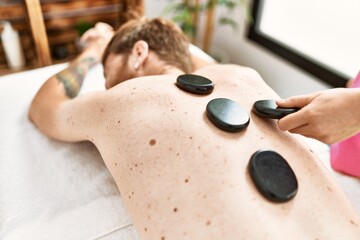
285 78
154 8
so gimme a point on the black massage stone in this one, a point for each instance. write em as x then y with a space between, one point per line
269 109
227 115
195 84
273 176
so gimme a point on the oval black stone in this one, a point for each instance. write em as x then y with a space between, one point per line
227 115
195 84
273 176
269 109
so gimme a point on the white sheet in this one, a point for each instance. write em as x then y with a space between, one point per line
54 190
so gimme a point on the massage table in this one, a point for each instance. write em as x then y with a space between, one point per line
56 190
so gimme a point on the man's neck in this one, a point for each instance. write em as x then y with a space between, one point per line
157 66
171 70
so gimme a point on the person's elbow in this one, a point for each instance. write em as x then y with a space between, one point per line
43 116
36 111
32 113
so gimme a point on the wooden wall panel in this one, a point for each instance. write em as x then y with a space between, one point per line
38 31
61 18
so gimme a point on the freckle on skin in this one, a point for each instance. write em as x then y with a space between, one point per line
186 180
162 238
175 209
208 223
353 223
152 142
115 164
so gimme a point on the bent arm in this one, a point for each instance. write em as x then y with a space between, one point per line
55 110
48 107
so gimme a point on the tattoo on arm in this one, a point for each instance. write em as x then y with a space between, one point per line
73 77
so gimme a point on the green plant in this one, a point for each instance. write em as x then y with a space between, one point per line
186 14
82 26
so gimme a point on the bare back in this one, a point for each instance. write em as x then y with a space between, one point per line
182 177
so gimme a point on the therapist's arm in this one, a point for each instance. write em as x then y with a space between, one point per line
329 116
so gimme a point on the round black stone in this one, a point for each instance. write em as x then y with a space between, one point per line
273 176
227 115
195 84
269 109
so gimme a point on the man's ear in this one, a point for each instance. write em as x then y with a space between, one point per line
139 54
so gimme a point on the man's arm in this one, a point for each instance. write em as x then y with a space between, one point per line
55 110
51 103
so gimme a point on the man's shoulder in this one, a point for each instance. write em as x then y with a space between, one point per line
228 67
229 70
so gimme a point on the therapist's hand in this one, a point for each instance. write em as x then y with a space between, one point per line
329 116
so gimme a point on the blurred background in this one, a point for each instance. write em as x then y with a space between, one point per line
219 27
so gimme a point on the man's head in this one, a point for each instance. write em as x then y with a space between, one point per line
139 46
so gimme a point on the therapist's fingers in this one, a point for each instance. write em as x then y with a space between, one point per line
312 131
293 121
304 130
296 101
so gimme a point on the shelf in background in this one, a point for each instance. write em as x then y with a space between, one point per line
64 20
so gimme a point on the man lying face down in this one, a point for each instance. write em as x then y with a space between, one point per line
180 175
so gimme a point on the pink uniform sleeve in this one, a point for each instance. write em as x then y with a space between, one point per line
345 155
